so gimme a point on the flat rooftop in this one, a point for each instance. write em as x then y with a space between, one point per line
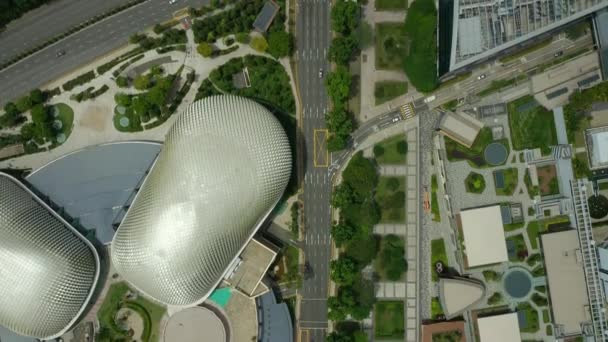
459 294
566 280
462 128
484 236
597 146
483 28
95 184
500 328
253 265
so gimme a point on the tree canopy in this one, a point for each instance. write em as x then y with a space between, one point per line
345 16
343 270
280 44
360 174
342 49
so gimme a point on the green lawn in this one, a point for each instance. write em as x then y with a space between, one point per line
531 125
475 183
437 254
151 314
420 61
434 199
390 196
536 227
387 90
532 189
510 182
66 116
134 121
436 309
392 150
546 317
531 317
389 320
521 251
391 45
384 5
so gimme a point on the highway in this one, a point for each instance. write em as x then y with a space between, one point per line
313 38
84 46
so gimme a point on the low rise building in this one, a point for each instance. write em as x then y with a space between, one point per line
460 127
499 328
484 237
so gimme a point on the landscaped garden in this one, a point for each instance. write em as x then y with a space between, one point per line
537 227
387 90
438 254
121 296
516 246
473 155
392 150
391 262
391 45
434 199
436 309
389 322
505 181
390 196
420 60
547 180
532 126
531 318
475 183
532 189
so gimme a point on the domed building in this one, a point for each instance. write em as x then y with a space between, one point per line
49 270
224 166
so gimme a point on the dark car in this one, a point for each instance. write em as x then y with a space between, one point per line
60 53
558 53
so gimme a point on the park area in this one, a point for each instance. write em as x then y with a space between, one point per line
389 320
532 126
126 314
390 196
475 183
505 181
391 150
391 45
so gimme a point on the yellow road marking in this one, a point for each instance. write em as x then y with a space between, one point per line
320 153
303 332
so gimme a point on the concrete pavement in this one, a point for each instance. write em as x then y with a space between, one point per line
84 47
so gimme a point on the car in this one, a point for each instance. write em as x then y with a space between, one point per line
320 73
60 53
171 2
430 99
481 77
558 53
396 119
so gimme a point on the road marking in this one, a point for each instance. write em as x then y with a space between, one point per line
320 153
304 332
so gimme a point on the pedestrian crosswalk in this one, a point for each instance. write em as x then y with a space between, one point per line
407 111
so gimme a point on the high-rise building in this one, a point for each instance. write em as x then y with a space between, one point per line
48 270
224 166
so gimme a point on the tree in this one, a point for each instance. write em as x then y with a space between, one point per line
342 196
205 49
242 37
391 260
142 82
345 16
360 174
338 85
259 44
158 94
343 270
280 44
122 99
342 233
402 147
140 106
392 183
12 115
28 131
24 103
37 96
342 49
378 151
42 121
136 38
122 81
336 336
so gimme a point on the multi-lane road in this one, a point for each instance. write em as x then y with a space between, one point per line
80 48
313 38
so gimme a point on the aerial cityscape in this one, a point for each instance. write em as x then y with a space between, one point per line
304 170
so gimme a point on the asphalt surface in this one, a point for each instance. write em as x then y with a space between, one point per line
83 47
313 38
48 21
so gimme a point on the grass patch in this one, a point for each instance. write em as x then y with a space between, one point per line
527 50
435 200
520 250
66 116
546 317
438 254
436 309
389 320
531 125
475 183
532 189
533 259
495 298
384 5
151 313
509 181
490 275
390 196
391 45
531 317
513 226
539 271
580 164
420 61
387 90
392 150
391 263
539 300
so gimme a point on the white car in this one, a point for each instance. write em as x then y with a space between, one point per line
320 73
171 2
481 77
430 99
396 119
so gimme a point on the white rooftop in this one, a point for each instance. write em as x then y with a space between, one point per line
484 237
600 147
501 328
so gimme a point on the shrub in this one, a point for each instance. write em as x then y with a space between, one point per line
598 206
242 37
402 147
229 41
259 44
82 79
142 82
205 49
122 81
378 151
